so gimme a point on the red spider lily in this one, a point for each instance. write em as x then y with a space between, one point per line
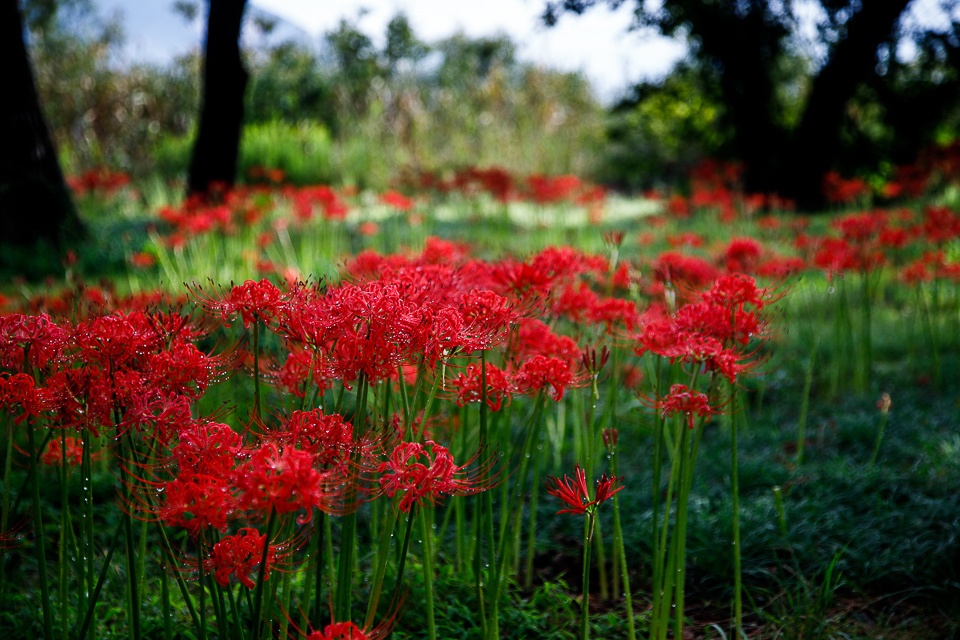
843 190
185 370
116 340
329 438
194 502
468 386
396 200
163 414
573 492
610 438
613 311
533 337
735 291
573 302
539 372
240 556
286 481
685 401
742 254
207 448
439 251
305 199
427 471
672 268
253 301
301 367
53 453
688 239
39 336
19 390
340 631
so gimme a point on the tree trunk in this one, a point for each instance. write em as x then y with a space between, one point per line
215 152
815 140
35 203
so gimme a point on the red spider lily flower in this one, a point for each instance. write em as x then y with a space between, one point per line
19 390
396 200
683 400
736 290
53 454
185 370
253 301
340 631
117 339
439 251
427 471
742 254
573 492
163 414
283 482
196 502
540 372
39 336
613 311
300 367
207 448
533 337
329 438
468 386
672 268
240 556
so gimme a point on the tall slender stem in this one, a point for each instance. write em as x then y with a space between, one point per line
40 547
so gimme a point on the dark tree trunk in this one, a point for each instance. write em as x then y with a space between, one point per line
745 48
35 203
221 117
815 141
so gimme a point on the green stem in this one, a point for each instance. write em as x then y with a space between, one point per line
342 602
876 446
395 600
618 540
585 602
88 618
735 490
261 573
65 525
383 555
40 547
4 516
256 370
427 563
165 606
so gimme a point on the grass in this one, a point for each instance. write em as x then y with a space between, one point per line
868 551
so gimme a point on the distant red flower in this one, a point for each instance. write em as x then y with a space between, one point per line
689 403
53 454
574 494
396 200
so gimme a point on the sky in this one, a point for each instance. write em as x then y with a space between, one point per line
598 43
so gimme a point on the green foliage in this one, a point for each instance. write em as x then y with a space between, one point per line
302 150
663 130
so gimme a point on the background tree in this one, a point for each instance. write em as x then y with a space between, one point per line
34 199
742 48
221 115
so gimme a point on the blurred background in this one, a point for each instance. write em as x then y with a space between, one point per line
627 94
